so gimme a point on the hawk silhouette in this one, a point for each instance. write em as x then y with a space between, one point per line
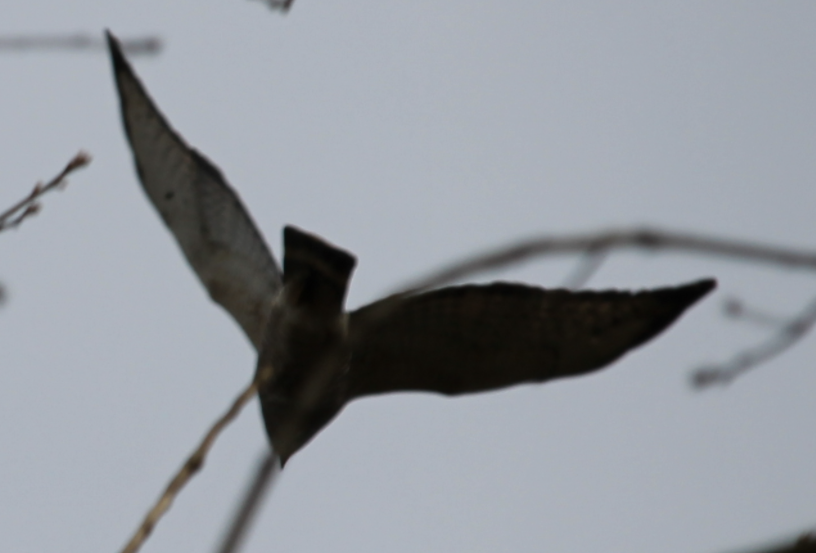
313 356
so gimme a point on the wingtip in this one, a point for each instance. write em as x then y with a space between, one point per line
117 56
675 300
694 291
665 305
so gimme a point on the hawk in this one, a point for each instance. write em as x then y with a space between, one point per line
313 356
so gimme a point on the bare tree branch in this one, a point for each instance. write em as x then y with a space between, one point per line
589 264
737 309
15 215
789 333
264 477
188 469
145 46
637 238
806 543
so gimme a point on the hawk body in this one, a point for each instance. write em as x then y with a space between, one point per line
304 361
313 357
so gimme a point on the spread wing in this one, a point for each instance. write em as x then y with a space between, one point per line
213 228
475 338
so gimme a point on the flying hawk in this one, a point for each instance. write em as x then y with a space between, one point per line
313 356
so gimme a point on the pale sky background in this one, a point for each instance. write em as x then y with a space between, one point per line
412 133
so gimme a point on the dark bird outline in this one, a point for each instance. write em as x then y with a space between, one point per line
313 356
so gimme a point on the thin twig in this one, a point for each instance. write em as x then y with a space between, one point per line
188 469
149 45
28 206
735 308
589 264
789 334
264 477
637 238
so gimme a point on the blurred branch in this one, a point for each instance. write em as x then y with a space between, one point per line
242 521
188 469
282 5
588 265
789 333
806 543
150 45
28 206
637 238
737 309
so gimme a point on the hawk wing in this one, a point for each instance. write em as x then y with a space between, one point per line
468 339
213 228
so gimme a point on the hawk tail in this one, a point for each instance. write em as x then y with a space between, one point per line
321 271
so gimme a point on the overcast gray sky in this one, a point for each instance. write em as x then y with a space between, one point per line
412 133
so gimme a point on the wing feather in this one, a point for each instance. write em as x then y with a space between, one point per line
475 338
207 218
